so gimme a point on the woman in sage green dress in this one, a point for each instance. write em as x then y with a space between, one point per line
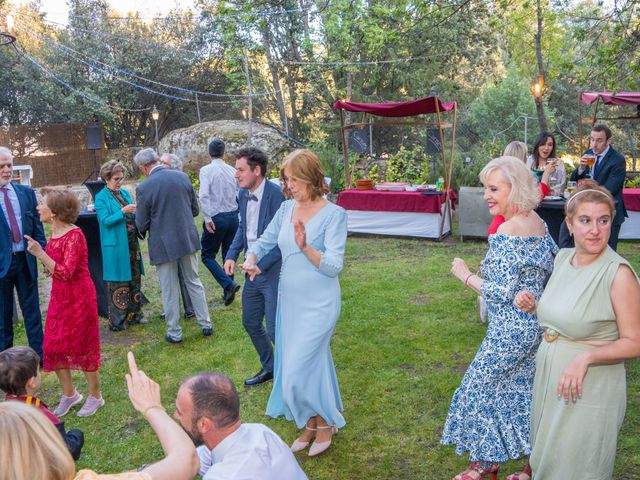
590 311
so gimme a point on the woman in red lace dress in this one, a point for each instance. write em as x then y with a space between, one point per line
71 338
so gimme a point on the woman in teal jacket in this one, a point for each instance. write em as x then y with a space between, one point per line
121 257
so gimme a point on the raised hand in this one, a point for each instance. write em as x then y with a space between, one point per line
459 269
144 393
300 234
33 247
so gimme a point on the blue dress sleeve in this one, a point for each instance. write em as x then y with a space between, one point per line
269 238
335 241
503 283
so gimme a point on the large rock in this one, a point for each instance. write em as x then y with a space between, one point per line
191 143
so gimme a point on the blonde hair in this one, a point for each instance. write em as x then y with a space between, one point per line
589 191
30 445
518 150
525 193
304 165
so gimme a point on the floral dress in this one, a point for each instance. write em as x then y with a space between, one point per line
71 335
490 411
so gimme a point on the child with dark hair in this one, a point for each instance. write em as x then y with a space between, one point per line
20 379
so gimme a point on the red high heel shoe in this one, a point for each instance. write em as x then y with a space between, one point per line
525 474
476 472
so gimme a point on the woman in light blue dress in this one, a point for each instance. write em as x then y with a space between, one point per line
311 233
490 411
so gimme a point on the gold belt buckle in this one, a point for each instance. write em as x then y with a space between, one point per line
550 335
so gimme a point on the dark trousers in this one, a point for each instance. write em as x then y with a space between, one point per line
19 277
259 300
566 241
226 226
186 299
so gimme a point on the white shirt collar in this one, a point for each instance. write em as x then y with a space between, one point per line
225 445
259 192
603 154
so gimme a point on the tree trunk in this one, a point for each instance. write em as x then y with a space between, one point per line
273 69
542 119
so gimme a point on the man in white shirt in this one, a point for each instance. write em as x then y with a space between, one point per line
219 203
208 408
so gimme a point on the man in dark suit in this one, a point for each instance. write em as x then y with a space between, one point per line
609 171
18 268
259 200
166 206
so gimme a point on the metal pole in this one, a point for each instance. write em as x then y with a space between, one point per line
198 108
157 139
526 128
370 138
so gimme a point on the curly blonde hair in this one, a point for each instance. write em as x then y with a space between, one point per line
304 165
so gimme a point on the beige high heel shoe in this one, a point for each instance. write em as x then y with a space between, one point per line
298 444
318 447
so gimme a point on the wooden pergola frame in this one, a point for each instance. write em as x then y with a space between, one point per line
447 163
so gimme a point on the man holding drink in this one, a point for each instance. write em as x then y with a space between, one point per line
607 167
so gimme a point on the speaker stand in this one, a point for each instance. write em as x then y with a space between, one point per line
94 173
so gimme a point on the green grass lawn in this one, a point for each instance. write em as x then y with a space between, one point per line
407 332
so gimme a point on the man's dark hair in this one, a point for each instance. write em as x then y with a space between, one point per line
214 396
255 157
216 148
602 128
17 366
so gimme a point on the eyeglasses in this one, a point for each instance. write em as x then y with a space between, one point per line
117 179
597 140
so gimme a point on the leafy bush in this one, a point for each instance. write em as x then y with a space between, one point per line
195 179
633 182
408 165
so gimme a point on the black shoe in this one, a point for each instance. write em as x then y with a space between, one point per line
207 331
163 314
229 294
189 314
260 377
172 340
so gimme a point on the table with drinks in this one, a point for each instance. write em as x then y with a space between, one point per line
551 210
397 212
630 229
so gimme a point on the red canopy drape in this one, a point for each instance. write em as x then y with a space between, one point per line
397 109
620 98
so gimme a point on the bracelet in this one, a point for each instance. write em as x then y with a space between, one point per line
144 412
466 280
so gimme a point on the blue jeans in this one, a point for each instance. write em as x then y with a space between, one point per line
226 226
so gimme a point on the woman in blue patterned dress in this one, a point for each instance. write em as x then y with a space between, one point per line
490 411
311 234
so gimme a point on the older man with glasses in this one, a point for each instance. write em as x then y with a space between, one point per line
18 268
